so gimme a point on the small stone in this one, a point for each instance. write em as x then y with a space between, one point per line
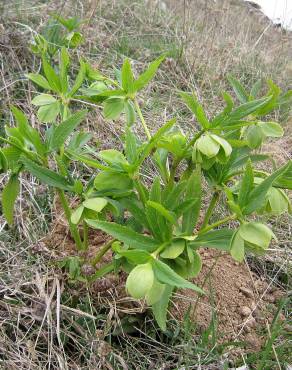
247 292
245 311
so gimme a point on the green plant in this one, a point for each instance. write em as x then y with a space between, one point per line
157 226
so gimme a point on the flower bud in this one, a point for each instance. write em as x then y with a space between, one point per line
140 280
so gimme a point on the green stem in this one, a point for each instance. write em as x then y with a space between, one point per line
102 252
142 119
85 235
73 228
217 223
210 209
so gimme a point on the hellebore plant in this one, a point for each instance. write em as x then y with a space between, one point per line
156 226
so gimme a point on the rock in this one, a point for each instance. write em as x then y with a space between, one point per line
247 292
244 311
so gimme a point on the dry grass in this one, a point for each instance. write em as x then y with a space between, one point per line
206 41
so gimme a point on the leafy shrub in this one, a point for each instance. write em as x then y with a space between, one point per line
156 226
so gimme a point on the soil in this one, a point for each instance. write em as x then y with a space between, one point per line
243 302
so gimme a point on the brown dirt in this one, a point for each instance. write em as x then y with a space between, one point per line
242 301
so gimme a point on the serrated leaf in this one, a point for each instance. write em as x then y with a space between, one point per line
271 129
218 239
45 175
48 113
113 107
193 190
147 76
258 194
39 80
192 102
237 247
76 215
64 129
166 275
51 76
127 76
125 235
43 99
246 185
168 215
239 90
9 195
95 204
160 307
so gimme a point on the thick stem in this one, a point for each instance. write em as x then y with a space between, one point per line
73 228
102 252
210 209
142 119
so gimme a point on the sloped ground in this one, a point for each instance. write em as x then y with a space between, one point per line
44 319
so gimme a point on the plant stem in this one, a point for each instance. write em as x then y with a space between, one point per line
142 119
102 252
217 223
85 235
210 209
73 228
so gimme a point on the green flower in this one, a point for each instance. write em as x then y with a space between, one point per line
253 236
209 148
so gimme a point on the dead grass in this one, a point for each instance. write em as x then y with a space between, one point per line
44 320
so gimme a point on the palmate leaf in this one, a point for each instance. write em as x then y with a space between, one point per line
239 90
125 235
39 80
192 102
127 76
285 180
246 185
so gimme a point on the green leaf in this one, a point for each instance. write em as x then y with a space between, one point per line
43 99
147 76
169 216
257 196
95 204
271 129
64 129
28 132
113 107
9 195
135 256
64 64
160 307
239 90
218 239
107 180
256 233
237 247
125 235
112 156
48 113
127 77
174 250
131 146
79 79
192 102
255 136
138 213
246 185
285 180
45 175
193 190
51 76
245 110
166 275
39 80
130 113
77 214
155 293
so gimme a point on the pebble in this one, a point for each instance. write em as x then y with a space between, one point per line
247 292
245 311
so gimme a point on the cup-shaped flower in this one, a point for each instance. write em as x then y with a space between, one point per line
140 280
253 236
